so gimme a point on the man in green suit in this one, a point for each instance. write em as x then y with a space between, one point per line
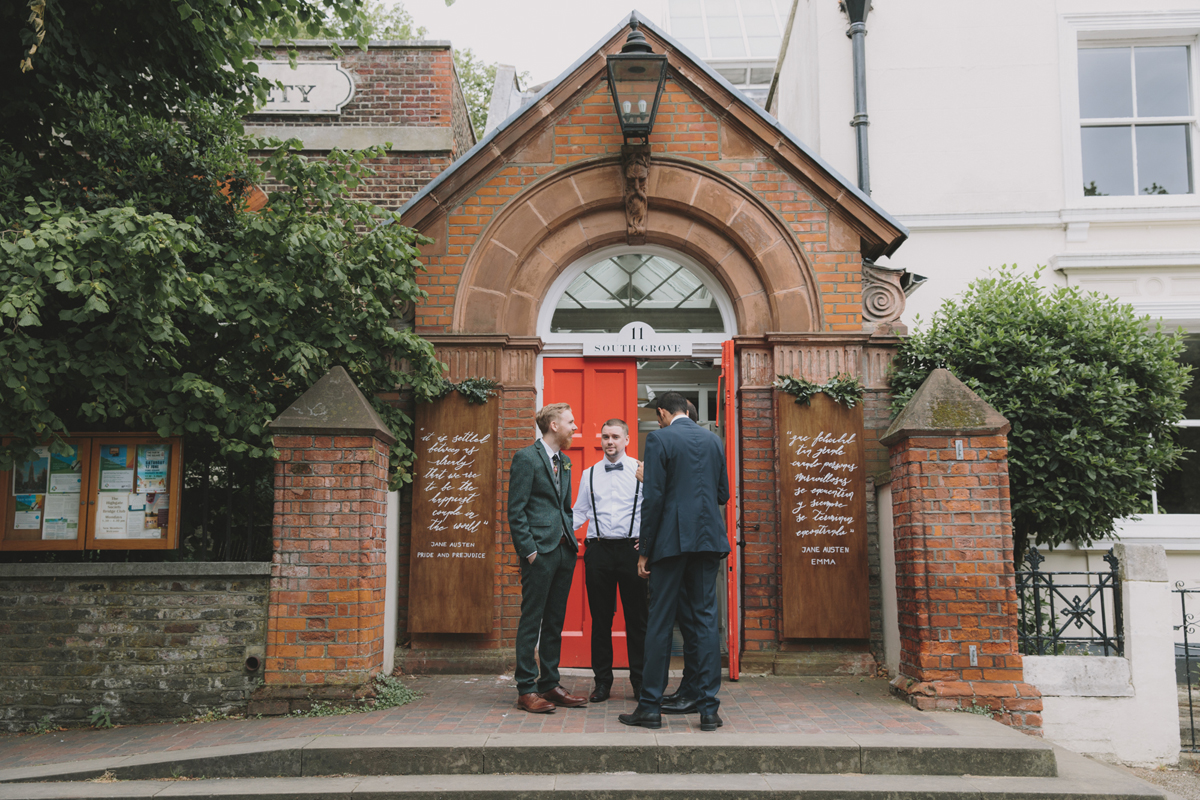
540 521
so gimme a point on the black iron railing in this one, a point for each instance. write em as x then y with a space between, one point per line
1069 613
1186 664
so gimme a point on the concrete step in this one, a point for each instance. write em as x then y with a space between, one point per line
1079 779
979 747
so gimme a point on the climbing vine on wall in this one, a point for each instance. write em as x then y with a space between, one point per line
842 389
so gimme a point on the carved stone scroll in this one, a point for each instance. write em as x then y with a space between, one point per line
635 167
883 297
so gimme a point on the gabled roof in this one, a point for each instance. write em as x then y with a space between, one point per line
442 191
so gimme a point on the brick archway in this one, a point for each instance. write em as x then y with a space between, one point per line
696 211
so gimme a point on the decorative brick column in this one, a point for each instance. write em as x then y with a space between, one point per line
954 572
325 619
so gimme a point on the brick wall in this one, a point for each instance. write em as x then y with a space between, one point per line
956 586
396 84
327 581
148 641
684 128
761 563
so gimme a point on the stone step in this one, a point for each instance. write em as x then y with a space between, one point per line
980 747
1079 778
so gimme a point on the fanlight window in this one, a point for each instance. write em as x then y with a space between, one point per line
667 296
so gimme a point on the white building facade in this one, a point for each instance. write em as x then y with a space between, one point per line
1060 133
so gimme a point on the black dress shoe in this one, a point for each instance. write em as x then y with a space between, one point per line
710 722
599 694
682 705
642 719
670 698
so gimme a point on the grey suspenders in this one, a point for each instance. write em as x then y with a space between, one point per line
637 489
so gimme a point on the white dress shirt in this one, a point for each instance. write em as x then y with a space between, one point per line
614 500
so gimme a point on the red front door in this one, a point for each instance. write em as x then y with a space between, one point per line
598 389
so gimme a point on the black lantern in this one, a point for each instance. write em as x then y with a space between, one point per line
635 77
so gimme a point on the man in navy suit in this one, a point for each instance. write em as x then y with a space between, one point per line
683 540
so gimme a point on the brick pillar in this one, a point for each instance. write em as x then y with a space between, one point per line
955 585
325 619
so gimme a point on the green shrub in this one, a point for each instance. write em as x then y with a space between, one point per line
1091 390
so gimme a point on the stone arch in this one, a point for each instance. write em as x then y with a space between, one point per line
716 221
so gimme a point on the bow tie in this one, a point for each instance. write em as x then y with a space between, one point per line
608 467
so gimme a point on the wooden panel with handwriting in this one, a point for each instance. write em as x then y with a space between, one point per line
823 485
454 517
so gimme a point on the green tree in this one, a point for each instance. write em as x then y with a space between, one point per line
137 295
1091 390
136 290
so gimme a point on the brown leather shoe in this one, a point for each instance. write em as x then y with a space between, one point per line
559 697
534 704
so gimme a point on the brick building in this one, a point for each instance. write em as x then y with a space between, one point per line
542 266
400 95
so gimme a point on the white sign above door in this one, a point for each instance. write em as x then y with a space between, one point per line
639 339
313 87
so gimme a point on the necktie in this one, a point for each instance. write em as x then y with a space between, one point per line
611 467
554 463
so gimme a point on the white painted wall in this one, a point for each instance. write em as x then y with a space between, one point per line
974 145
1120 707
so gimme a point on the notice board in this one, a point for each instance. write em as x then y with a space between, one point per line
453 551
824 515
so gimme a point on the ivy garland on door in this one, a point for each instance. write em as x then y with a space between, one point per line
842 389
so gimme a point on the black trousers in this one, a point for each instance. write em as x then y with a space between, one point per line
611 565
684 586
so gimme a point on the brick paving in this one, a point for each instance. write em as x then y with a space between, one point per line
485 704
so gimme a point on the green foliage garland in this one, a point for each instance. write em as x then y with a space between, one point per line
474 390
1092 393
842 389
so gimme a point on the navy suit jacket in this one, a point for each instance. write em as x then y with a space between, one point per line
684 485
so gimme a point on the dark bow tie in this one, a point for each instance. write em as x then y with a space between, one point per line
608 467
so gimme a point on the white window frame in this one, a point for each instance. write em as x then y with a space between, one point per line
1123 29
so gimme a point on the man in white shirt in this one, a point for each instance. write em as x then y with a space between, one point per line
609 500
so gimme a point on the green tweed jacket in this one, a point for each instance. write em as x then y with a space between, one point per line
538 512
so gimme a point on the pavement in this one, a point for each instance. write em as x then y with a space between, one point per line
486 704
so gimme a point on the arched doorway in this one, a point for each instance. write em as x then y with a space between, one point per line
620 326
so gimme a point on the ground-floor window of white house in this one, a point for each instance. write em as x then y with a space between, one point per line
1180 493
1137 111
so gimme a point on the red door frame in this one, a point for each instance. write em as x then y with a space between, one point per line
726 396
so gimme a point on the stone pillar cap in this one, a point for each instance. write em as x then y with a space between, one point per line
333 405
944 406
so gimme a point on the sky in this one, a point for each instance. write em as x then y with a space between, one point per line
543 37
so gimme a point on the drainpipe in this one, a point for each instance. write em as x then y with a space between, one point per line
857 10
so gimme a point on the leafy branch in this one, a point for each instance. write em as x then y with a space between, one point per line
474 390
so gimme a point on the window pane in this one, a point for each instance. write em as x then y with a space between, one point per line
697 46
720 8
757 8
1162 81
764 45
762 74
688 27
761 26
735 75
726 47
1191 395
1162 152
1179 493
684 8
1105 83
637 287
1107 160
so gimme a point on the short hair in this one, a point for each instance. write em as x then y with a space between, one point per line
550 413
692 413
673 403
614 422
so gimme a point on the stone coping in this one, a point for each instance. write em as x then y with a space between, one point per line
146 569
